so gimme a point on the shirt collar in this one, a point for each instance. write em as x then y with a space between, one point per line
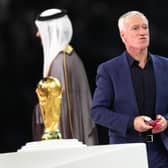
132 61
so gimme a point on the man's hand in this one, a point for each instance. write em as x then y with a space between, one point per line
161 124
140 125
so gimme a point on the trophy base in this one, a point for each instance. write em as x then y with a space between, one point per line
54 144
51 135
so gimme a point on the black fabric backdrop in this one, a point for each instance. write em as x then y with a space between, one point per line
95 38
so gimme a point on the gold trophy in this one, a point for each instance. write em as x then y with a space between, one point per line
49 92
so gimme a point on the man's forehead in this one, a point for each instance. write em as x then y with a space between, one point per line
135 20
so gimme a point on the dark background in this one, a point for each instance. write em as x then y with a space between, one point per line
95 38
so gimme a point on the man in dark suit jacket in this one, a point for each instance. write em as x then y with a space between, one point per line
131 97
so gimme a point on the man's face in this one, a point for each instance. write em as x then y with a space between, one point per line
136 33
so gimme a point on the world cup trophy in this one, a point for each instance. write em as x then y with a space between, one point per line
49 92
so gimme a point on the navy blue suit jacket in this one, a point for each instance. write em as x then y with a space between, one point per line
114 100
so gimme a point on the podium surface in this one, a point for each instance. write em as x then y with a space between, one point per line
79 156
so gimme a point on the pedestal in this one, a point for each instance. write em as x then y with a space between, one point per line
71 154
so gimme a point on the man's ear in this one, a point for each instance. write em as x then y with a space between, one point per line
122 35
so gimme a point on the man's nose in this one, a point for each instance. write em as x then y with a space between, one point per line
144 31
37 34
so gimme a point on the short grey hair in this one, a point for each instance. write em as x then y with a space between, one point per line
123 17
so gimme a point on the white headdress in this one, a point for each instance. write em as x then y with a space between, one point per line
56 31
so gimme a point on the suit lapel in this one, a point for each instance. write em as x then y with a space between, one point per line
127 89
159 82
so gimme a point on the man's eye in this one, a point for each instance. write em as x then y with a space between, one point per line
145 27
135 28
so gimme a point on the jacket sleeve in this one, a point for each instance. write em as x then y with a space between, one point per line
103 111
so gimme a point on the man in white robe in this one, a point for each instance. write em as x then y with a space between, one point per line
61 61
